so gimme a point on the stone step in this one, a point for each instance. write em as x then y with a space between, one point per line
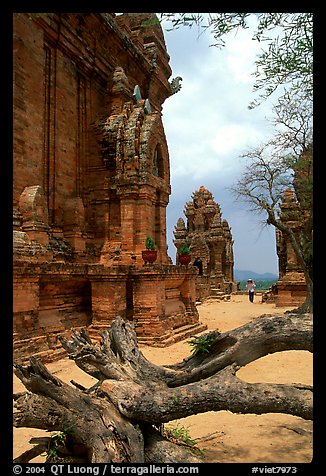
187 327
175 335
46 356
218 294
170 337
95 328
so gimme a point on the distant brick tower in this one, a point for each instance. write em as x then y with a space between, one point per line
291 286
209 237
295 213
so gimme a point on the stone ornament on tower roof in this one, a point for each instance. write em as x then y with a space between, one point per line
175 85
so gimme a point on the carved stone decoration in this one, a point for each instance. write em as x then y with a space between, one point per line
137 94
147 107
175 85
120 81
121 90
33 209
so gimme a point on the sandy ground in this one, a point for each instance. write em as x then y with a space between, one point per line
224 436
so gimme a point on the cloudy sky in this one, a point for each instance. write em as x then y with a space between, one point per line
208 126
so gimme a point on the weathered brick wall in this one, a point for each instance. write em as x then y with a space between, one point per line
25 305
291 290
164 299
28 104
50 298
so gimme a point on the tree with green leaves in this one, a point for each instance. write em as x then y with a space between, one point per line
286 58
284 162
282 167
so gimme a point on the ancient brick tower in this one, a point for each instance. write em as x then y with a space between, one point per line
209 237
92 180
291 286
295 212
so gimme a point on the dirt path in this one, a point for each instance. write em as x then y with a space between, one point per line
226 437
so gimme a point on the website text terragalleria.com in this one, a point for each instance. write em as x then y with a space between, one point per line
58 469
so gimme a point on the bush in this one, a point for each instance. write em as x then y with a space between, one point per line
150 243
261 284
184 249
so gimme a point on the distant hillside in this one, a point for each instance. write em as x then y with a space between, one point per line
241 275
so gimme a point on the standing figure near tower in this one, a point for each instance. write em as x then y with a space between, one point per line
198 262
251 289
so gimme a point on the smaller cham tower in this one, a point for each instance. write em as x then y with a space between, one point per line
295 214
209 238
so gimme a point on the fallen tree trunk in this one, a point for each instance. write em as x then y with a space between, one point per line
117 419
94 423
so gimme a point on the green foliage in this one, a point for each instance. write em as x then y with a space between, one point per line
34 16
150 243
151 22
287 58
175 400
184 249
261 285
220 24
202 344
181 436
57 439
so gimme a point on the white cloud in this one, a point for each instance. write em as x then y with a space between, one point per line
234 138
241 54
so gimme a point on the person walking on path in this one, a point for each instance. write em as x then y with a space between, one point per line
251 289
